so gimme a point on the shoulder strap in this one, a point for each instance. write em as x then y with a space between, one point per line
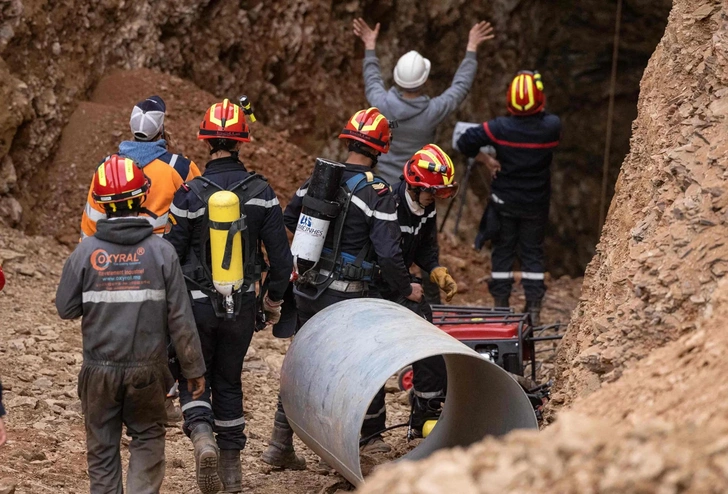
249 187
203 188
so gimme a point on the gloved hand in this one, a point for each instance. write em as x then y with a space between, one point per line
443 279
272 310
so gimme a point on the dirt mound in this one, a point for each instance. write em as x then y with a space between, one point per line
97 126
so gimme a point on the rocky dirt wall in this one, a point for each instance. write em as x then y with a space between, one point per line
663 248
301 65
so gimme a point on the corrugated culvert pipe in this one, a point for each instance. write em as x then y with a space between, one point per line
342 356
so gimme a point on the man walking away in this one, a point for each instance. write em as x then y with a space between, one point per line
128 286
521 188
226 338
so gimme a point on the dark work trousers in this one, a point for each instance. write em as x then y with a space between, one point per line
429 378
224 345
522 234
113 394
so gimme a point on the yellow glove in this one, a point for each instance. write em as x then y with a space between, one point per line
443 279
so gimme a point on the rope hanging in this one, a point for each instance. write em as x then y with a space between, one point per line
610 118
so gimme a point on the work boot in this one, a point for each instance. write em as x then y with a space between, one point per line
501 302
206 459
375 445
231 473
280 452
533 308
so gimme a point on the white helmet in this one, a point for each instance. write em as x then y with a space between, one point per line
411 71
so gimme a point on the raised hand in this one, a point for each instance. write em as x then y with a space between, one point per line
367 34
480 32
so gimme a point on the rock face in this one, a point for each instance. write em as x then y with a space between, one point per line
301 65
663 248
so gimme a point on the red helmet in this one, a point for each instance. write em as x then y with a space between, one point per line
119 179
2 279
224 120
431 168
525 94
369 127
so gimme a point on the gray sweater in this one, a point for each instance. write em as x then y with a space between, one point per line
128 286
417 118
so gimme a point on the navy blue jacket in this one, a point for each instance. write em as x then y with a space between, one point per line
524 146
264 221
2 409
372 220
419 233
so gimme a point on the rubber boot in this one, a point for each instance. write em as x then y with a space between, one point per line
207 456
533 308
231 473
501 302
280 452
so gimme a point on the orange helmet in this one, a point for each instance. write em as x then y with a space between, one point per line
431 169
525 94
369 127
224 120
119 180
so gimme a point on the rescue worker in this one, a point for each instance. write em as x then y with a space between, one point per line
370 235
167 171
225 340
428 175
417 115
127 285
518 210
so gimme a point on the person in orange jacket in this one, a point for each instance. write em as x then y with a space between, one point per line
167 171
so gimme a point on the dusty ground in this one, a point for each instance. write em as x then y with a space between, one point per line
40 358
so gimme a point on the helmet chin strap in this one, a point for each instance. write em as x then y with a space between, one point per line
363 150
414 204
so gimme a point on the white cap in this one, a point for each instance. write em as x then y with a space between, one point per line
411 71
147 118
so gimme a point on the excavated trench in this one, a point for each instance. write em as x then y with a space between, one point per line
302 67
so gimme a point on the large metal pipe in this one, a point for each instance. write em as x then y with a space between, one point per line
342 356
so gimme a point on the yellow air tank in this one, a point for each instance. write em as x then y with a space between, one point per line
224 212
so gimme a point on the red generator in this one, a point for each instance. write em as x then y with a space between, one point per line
498 334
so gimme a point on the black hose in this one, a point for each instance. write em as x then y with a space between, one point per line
365 440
